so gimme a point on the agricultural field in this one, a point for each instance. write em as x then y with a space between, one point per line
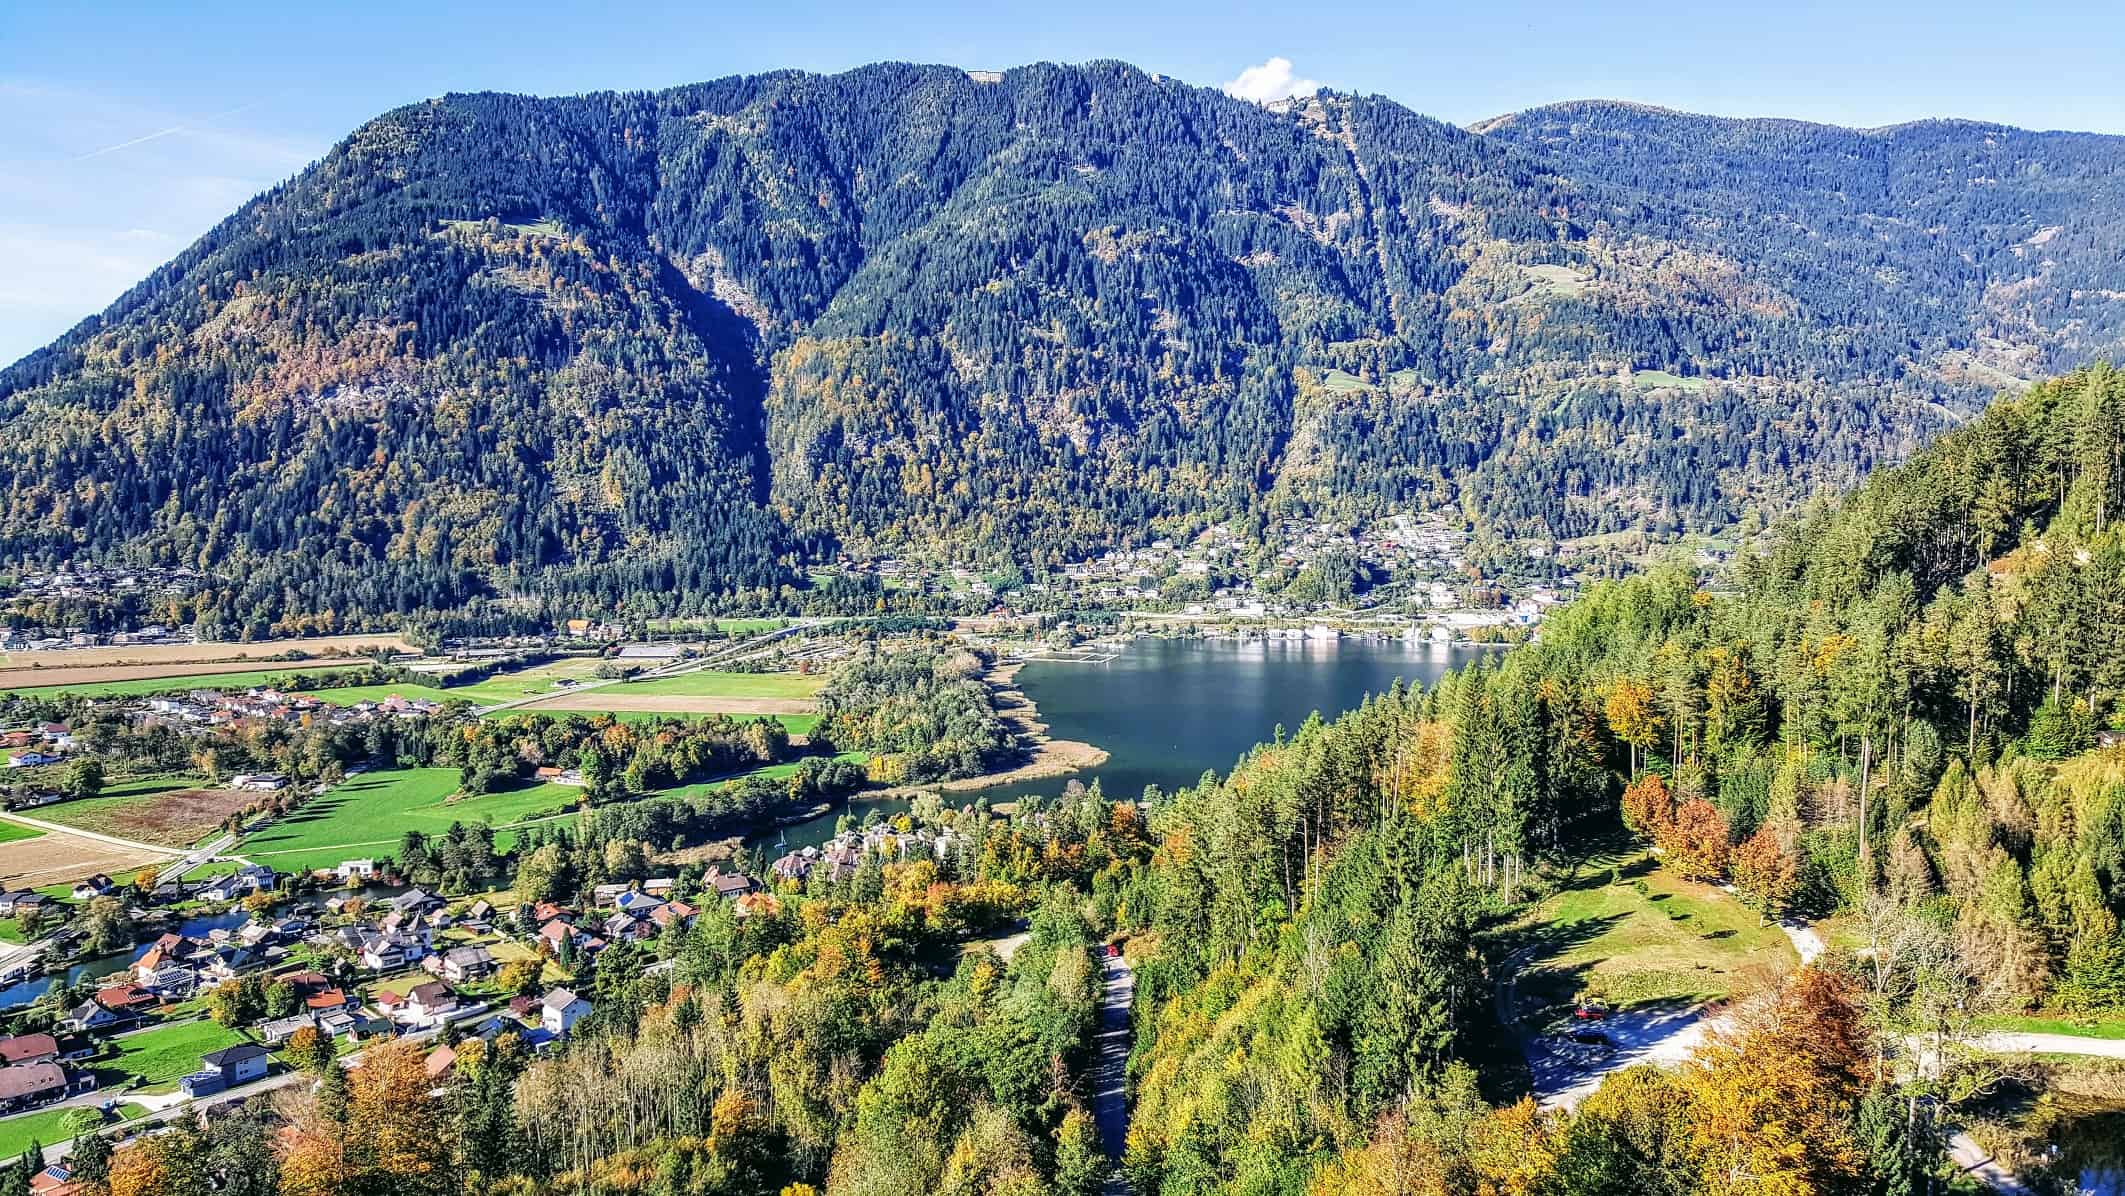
704 692
132 681
368 814
528 683
255 652
54 860
166 811
725 626
1629 933
710 684
154 1060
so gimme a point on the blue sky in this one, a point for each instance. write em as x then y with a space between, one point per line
127 129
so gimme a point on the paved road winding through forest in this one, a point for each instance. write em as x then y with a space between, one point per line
1110 1087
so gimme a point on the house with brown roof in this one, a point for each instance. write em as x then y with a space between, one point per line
30 1085
23 1049
424 1005
439 1062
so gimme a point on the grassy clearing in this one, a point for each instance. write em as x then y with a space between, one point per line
709 684
13 831
142 686
1662 380
368 814
1650 937
46 1127
1551 280
2111 1027
160 1057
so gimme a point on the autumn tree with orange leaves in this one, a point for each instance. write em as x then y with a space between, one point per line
1695 843
1766 870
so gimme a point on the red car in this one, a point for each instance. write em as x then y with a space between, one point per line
1114 951
1591 1012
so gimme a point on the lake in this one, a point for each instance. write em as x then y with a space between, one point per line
1168 709
2089 1141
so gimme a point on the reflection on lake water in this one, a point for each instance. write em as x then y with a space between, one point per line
1167 710
2091 1149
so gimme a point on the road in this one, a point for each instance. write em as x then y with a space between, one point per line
198 856
1974 1161
1110 1075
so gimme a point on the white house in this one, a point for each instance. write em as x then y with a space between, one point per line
561 1010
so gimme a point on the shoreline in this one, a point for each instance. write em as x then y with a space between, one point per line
1048 757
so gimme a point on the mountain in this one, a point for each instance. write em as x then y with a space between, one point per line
683 343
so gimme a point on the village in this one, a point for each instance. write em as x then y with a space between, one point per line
265 977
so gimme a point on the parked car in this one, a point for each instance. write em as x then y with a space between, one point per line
1590 1011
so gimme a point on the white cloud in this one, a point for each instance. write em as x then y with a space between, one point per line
1271 80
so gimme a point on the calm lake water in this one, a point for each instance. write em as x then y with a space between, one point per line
1167 709
2091 1146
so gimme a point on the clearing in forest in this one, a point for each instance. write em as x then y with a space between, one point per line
1630 933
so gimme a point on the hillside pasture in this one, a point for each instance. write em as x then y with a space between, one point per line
1629 933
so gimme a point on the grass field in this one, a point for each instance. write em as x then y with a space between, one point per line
368 814
47 1126
536 681
1650 937
2079 1027
13 831
160 1057
726 626
708 684
179 682
171 811
1662 380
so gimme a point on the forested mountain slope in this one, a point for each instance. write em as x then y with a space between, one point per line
683 341
1893 718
